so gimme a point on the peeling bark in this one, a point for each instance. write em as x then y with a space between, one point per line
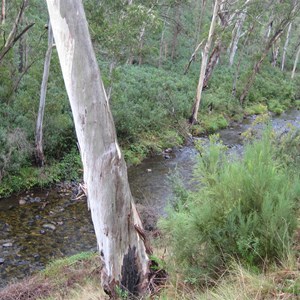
114 216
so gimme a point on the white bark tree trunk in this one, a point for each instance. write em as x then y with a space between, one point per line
275 53
193 118
3 12
117 224
39 153
237 35
295 63
285 46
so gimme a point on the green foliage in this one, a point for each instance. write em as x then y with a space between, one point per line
26 177
256 109
56 267
271 84
241 208
146 99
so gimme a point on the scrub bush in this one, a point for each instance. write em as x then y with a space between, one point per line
241 208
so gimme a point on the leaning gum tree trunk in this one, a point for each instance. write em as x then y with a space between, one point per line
39 153
193 118
258 64
116 222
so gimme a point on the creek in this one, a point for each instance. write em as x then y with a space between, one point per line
50 225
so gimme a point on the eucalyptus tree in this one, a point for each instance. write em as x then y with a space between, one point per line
282 13
15 33
296 62
194 116
3 12
287 40
118 228
39 153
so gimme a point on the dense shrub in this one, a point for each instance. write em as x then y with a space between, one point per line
241 208
147 99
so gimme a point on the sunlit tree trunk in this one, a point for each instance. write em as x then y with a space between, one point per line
285 46
237 33
296 63
117 225
39 153
193 118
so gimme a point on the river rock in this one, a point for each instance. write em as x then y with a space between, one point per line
2 260
35 200
167 156
36 256
49 226
7 245
22 201
168 150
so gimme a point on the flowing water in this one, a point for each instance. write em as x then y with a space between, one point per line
51 225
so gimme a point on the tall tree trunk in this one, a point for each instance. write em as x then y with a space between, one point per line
275 53
141 44
3 12
295 63
237 33
39 153
193 118
116 222
212 62
216 52
285 46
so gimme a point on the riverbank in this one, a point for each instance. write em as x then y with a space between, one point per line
78 277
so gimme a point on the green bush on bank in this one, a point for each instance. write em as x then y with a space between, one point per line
25 178
241 209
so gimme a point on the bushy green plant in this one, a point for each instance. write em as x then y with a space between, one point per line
271 84
241 208
148 99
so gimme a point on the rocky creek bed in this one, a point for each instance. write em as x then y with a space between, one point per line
40 226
